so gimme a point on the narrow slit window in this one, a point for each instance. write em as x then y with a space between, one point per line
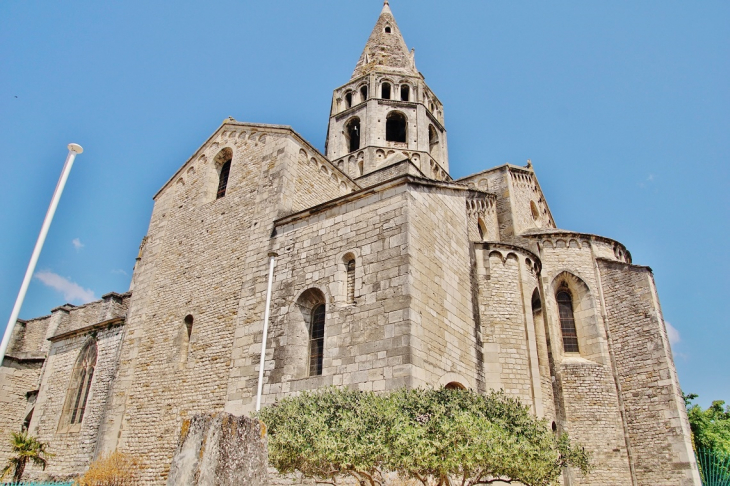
223 179
567 322
385 89
351 281
316 340
348 100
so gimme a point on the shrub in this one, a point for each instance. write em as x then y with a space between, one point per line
431 436
115 469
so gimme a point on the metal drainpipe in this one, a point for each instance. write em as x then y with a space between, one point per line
272 257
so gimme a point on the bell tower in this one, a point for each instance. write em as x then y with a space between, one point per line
386 113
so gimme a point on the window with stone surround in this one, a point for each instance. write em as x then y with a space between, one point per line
316 340
222 163
79 387
363 93
350 281
396 127
348 99
405 92
385 91
567 321
352 134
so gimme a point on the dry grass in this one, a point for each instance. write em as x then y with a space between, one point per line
115 469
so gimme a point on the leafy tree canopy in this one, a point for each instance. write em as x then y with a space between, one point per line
442 437
711 427
24 448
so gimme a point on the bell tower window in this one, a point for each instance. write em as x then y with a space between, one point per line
395 127
352 134
348 100
364 93
385 90
405 92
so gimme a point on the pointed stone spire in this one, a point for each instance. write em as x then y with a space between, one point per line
385 50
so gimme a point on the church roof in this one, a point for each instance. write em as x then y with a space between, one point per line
385 50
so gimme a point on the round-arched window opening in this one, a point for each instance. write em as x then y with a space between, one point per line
395 127
363 93
554 427
189 324
348 100
405 92
534 210
387 29
455 385
385 91
352 134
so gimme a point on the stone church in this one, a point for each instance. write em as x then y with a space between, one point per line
384 272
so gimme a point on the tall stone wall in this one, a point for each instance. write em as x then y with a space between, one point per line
444 334
655 413
366 341
73 447
587 390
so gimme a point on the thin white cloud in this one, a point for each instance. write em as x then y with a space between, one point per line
672 334
77 244
119 271
71 291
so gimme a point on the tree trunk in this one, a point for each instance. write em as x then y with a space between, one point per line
19 470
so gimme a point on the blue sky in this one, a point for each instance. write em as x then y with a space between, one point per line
621 106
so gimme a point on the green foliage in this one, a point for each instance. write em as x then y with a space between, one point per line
24 448
433 436
711 427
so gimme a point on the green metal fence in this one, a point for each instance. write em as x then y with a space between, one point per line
714 468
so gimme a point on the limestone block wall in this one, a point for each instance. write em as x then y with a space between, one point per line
17 377
657 421
405 167
29 336
366 341
507 277
496 181
529 208
73 449
481 210
108 307
201 252
444 337
590 408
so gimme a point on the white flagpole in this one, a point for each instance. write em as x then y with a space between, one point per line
272 257
73 149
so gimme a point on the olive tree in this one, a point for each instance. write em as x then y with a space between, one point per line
435 436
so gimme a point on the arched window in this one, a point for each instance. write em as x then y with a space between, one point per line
316 340
189 325
387 29
78 390
348 99
350 281
405 92
455 385
385 91
225 170
567 321
482 229
352 134
363 93
433 140
395 127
